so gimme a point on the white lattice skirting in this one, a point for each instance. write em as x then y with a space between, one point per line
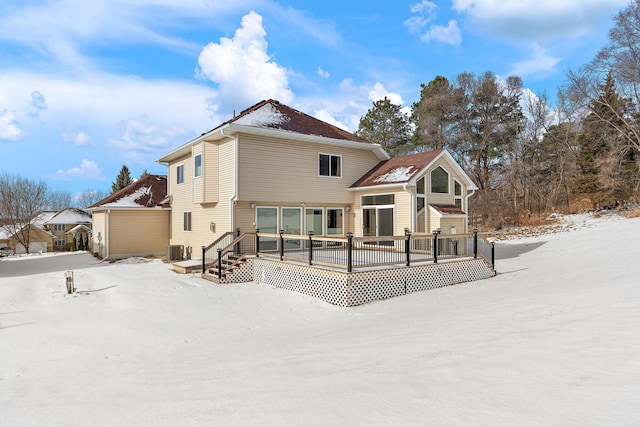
349 289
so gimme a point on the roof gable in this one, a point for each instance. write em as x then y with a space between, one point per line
397 170
274 115
146 192
70 216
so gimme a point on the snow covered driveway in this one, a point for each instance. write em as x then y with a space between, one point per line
552 340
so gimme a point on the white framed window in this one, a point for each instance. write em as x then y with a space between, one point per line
179 174
197 165
59 227
335 221
329 165
186 221
457 194
59 241
439 181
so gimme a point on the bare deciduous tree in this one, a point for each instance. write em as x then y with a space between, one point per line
21 200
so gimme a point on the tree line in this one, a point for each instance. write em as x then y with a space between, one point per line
527 156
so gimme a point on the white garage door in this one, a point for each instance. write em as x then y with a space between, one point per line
34 247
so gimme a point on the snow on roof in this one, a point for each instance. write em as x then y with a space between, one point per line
130 199
70 216
400 174
267 115
43 217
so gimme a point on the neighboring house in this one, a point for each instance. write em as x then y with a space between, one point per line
133 221
71 228
275 168
40 238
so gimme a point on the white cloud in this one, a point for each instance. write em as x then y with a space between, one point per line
87 170
242 68
539 63
37 105
77 138
9 129
425 14
538 19
379 92
139 135
450 34
322 73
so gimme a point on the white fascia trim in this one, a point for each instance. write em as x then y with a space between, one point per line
128 208
399 186
456 166
284 134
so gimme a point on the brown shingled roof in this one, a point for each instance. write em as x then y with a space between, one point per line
397 170
156 193
289 119
448 209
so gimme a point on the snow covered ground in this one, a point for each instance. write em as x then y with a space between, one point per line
552 340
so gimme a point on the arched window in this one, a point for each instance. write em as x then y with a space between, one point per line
439 181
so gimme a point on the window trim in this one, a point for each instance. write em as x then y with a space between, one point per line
458 198
179 175
339 156
187 221
195 167
326 221
448 180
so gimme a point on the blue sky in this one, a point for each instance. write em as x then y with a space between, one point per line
87 86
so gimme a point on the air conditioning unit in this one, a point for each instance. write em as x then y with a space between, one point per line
174 252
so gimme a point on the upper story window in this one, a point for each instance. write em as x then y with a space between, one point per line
179 174
197 165
457 193
439 181
420 186
329 165
58 227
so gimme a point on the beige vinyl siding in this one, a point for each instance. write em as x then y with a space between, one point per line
447 223
98 227
444 199
404 205
283 171
210 173
198 186
138 232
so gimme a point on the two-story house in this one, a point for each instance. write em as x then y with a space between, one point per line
276 168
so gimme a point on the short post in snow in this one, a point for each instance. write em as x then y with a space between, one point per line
349 252
435 244
310 247
475 243
407 245
493 255
68 277
257 242
281 245
220 263
204 264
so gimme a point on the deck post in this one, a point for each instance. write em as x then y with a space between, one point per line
236 249
475 243
310 247
281 245
257 242
435 245
204 250
349 252
407 245
220 263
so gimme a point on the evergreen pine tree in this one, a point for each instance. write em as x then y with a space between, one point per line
123 179
387 125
